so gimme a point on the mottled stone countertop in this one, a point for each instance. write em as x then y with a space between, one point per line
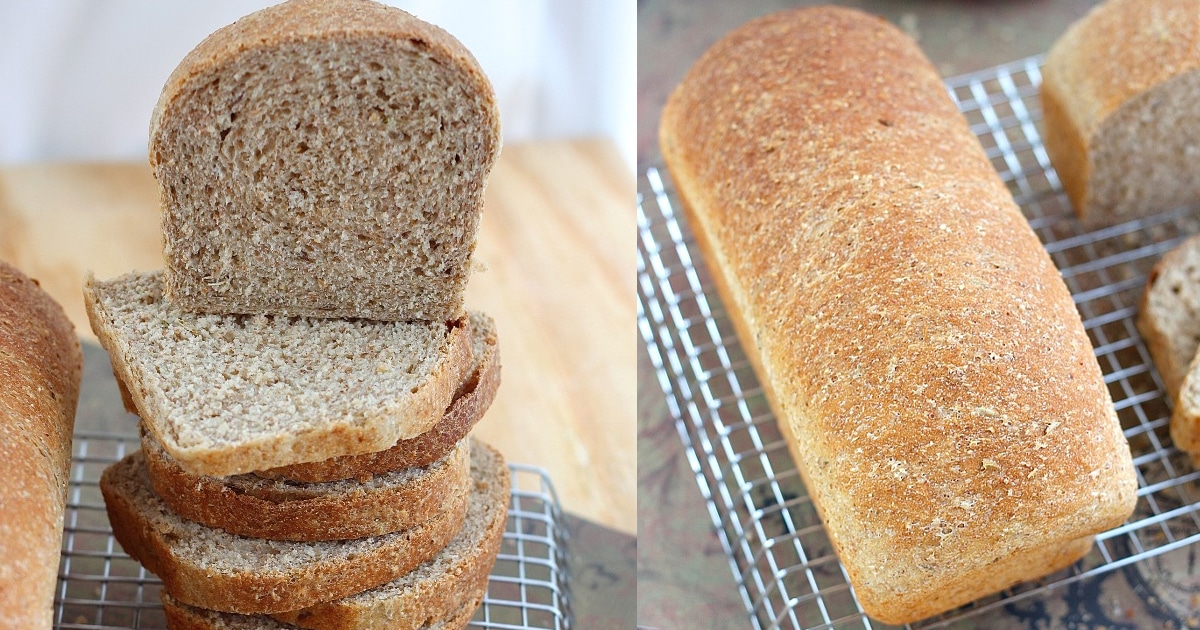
684 579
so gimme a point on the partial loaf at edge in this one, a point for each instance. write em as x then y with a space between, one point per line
373 130
40 368
1121 99
229 394
923 357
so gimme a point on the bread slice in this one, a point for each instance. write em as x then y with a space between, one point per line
1185 417
471 401
450 587
183 617
1122 122
1169 314
211 568
324 158
249 505
230 394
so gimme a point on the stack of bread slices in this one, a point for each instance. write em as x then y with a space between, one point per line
304 368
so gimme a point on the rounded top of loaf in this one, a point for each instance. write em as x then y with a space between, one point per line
1120 49
301 20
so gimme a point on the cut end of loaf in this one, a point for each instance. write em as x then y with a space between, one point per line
232 394
325 159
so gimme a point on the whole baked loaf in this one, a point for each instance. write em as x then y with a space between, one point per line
40 368
324 158
922 356
1122 115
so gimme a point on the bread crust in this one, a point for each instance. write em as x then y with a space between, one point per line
471 401
451 592
1117 52
248 505
422 408
921 353
157 538
40 367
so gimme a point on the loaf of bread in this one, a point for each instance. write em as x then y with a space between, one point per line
471 401
40 368
228 394
441 593
324 158
1121 100
920 351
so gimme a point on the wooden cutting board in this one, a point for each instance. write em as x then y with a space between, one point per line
553 238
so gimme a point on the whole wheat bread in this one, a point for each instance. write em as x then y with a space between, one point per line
249 505
471 401
1169 315
1121 98
40 368
214 569
228 394
446 589
183 617
324 158
922 355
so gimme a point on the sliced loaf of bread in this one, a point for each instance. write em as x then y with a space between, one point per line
214 569
249 505
1122 119
228 394
445 590
471 401
1169 316
324 158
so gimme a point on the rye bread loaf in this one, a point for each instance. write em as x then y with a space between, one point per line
1121 99
1169 314
40 367
183 617
214 569
227 394
324 158
249 505
446 589
471 401
922 356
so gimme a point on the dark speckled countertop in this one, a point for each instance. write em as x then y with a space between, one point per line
684 580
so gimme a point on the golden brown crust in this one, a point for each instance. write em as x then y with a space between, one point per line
921 353
258 590
258 508
471 401
40 368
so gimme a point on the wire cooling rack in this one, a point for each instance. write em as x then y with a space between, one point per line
101 588
784 566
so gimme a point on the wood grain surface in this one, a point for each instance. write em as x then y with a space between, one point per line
553 239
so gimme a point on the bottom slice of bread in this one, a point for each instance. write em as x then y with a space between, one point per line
442 593
214 569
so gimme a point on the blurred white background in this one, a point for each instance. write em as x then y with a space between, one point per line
79 78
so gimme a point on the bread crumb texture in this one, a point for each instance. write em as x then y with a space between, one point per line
258 391
325 159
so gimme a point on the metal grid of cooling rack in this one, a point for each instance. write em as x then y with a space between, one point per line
101 588
784 566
